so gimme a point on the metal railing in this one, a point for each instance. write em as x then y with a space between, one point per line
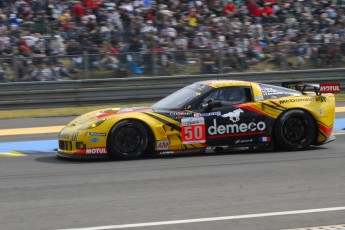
22 95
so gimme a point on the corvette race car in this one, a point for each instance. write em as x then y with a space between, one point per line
207 116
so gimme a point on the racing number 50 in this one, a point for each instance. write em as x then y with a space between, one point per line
193 131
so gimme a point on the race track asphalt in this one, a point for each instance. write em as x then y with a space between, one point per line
43 192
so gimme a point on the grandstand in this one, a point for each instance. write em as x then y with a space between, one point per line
62 39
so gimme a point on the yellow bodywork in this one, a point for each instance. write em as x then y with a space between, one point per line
90 131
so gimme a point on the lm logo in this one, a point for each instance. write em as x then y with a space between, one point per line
234 116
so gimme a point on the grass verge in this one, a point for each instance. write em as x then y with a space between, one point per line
59 112
340 97
75 111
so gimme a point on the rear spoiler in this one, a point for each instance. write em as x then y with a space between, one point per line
318 88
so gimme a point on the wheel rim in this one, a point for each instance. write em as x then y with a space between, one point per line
294 129
128 140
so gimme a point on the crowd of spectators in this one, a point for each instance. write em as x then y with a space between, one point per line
36 34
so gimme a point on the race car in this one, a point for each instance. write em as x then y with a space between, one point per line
207 116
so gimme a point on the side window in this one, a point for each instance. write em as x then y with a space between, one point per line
228 96
232 95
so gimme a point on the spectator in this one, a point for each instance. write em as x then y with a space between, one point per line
30 72
254 10
313 53
148 28
57 47
229 8
14 20
181 44
46 73
200 41
268 13
79 12
208 64
59 71
109 62
4 72
94 52
8 51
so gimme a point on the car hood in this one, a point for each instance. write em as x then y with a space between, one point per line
105 113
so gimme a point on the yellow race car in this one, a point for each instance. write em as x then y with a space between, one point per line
207 116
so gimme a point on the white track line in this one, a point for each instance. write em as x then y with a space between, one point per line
187 221
330 227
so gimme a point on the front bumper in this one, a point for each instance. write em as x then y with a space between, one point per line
82 144
61 154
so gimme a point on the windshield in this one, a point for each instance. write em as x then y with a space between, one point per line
182 98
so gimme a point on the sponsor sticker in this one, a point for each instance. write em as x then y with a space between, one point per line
93 151
96 151
218 84
201 87
74 136
193 130
264 139
103 115
243 141
95 134
259 98
180 151
234 116
207 114
94 140
64 136
127 109
162 145
330 88
235 127
321 99
166 153
212 149
307 99
270 91
180 114
216 129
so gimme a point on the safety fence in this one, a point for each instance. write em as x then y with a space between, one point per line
21 95
172 62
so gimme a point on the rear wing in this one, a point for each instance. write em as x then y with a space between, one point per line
318 88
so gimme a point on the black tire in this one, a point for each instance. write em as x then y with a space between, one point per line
128 139
294 129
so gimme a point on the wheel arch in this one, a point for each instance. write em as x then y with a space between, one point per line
150 131
290 109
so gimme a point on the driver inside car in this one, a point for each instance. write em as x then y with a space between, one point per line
232 95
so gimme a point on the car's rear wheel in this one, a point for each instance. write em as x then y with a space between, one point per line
294 129
128 139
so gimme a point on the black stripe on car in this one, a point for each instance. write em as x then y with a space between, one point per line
176 127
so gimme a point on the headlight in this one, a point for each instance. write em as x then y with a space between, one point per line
92 124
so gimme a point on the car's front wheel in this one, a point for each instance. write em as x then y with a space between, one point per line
128 139
295 129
